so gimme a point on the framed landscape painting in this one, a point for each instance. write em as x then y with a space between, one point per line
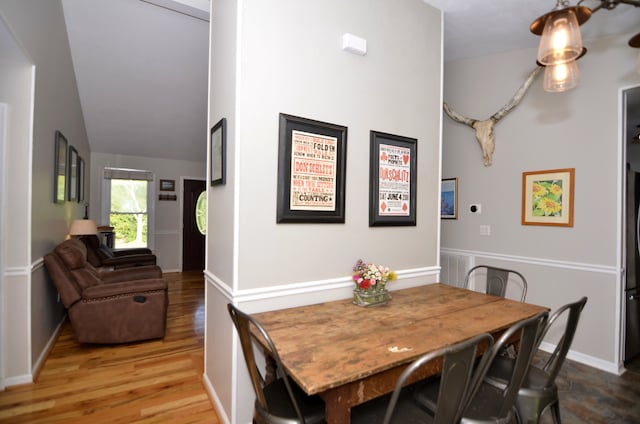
449 198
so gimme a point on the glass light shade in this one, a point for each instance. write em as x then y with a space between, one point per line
561 77
561 39
81 227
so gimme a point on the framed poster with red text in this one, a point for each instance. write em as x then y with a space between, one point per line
393 173
311 170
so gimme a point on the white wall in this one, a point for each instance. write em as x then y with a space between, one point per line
578 129
16 91
167 229
45 104
287 58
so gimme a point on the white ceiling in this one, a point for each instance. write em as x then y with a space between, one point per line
142 70
481 27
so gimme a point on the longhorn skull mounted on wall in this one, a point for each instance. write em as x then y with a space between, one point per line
484 129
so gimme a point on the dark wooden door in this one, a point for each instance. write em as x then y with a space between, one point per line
193 240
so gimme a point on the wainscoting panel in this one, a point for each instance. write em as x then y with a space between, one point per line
454 268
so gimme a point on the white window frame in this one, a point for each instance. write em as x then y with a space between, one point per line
151 194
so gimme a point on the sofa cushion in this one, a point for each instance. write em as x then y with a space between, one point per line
73 253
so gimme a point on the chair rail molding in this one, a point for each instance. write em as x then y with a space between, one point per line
579 266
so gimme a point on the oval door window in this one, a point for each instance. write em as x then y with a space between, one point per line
201 213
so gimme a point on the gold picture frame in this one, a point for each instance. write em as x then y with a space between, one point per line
547 197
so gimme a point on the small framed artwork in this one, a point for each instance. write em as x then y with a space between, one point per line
449 198
72 164
311 170
218 152
80 179
547 197
167 185
60 169
393 178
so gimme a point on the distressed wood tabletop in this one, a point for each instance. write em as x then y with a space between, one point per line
350 354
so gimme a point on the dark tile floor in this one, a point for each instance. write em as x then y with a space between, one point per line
588 395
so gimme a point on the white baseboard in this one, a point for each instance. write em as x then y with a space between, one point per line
45 352
610 367
216 400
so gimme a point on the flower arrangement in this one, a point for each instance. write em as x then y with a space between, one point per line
371 277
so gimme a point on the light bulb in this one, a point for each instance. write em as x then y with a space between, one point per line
561 39
561 77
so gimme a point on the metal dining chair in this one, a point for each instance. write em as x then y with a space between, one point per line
488 403
539 390
457 377
281 401
497 279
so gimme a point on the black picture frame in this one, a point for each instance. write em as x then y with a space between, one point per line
60 168
167 185
72 165
393 179
81 179
218 149
311 171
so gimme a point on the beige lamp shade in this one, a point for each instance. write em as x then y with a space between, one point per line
81 227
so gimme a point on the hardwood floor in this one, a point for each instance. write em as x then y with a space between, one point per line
148 382
160 381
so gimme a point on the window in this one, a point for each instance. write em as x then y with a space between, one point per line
128 201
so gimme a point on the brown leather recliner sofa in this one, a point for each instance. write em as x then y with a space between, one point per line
100 255
108 307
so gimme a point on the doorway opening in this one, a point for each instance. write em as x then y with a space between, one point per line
630 304
193 219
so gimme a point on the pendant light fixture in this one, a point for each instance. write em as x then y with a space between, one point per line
561 41
562 76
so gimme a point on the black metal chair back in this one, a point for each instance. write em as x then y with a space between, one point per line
497 280
281 401
554 363
457 376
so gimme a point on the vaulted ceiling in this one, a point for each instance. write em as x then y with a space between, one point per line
142 74
142 70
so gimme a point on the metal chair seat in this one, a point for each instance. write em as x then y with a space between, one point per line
281 409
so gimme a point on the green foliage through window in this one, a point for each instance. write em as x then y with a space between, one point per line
129 215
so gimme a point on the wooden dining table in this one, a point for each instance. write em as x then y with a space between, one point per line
350 354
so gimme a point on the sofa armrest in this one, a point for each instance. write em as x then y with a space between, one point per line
130 274
125 288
